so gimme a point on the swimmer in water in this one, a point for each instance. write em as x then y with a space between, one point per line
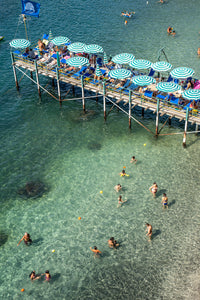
164 200
149 230
118 187
123 173
26 238
33 276
120 201
153 189
169 30
96 251
111 242
133 160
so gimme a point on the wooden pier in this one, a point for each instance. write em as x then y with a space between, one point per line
109 93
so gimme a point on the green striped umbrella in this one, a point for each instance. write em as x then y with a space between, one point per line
143 80
140 64
168 87
191 94
76 47
123 58
93 49
120 73
161 66
60 40
105 59
50 36
20 43
77 61
182 73
98 71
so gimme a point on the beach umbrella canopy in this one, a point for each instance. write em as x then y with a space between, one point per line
77 61
120 73
168 87
191 94
20 43
98 71
140 64
161 66
105 59
123 58
143 80
93 49
60 40
76 47
182 73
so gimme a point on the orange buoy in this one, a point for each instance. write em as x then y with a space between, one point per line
79 218
124 167
22 290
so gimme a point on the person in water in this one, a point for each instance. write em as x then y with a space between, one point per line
153 189
169 30
33 276
118 187
120 201
123 173
133 160
95 251
149 230
47 275
111 242
164 200
26 238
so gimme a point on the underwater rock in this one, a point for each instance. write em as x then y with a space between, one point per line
32 189
87 115
3 238
94 146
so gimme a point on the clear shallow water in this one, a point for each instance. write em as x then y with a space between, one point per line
57 146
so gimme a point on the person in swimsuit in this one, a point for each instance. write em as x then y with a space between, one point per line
111 242
26 238
164 200
47 276
115 244
33 276
123 173
149 230
153 189
120 201
95 251
169 30
118 187
133 160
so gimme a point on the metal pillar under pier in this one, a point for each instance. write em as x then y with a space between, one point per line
58 85
185 130
14 71
37 78
83 95
104 100
129 100
157 117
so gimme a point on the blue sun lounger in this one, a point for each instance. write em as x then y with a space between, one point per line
126 84
148 94
132 87
80 72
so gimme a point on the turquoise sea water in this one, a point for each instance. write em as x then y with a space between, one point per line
76 156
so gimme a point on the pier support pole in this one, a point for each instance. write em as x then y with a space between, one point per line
53 83
58 85
73 90
37 78
83 95
14 71
157 117
185 131
196 129
31 73
129 101
142 112
170 121
104 100
97 99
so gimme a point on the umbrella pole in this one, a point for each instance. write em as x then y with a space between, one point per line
58 85
129 108
37 78
14 71
104 100
83 95
196 129
185 131
157 117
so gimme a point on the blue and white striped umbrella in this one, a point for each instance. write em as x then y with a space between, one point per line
120 73
93 49
140 64
20 43
161 66
168 87
98 71
60 40
191 94
77 61
182 73
76 47
123 58
143 80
